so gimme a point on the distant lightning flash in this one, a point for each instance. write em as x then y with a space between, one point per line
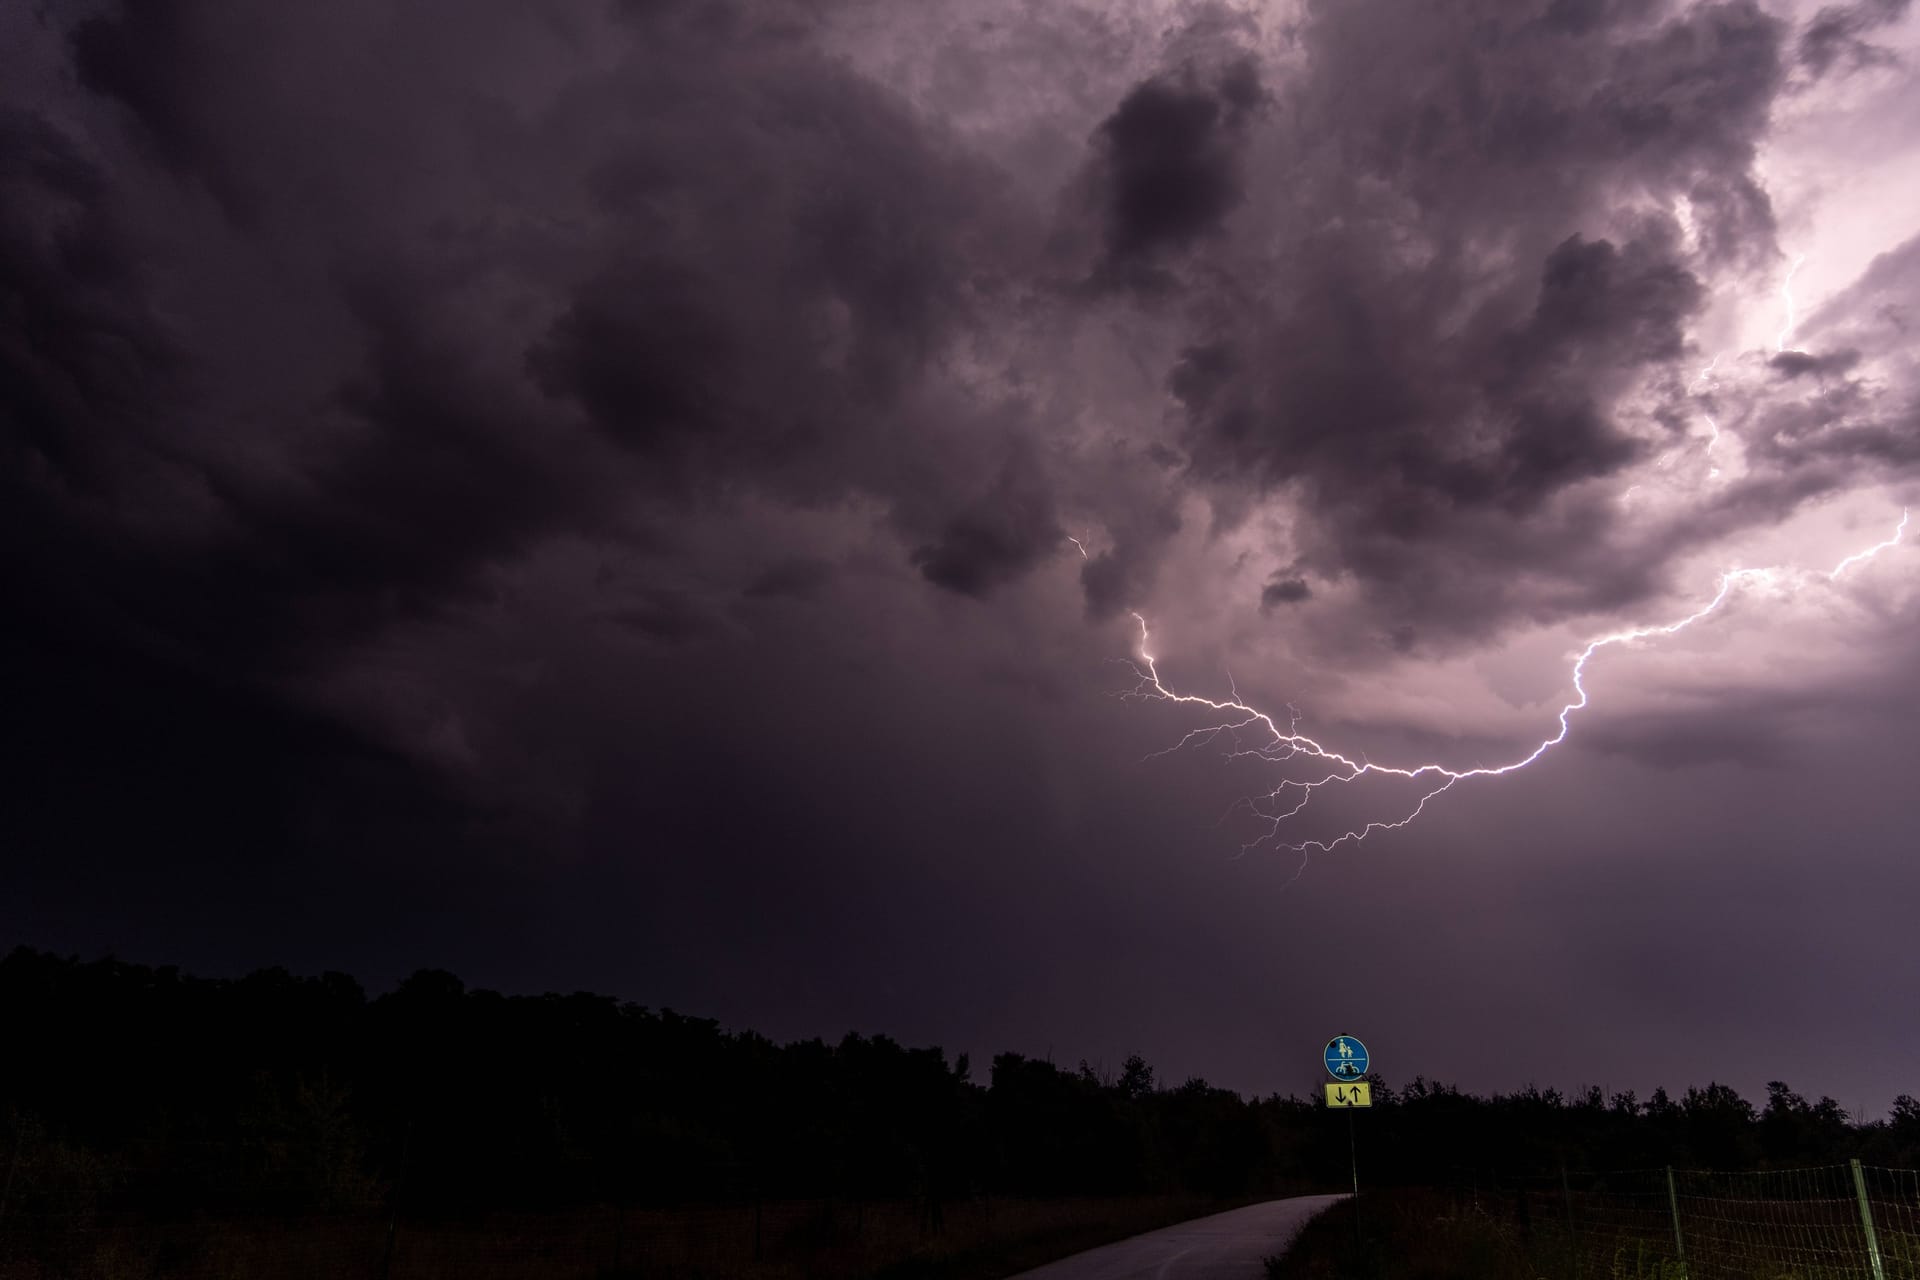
1291 796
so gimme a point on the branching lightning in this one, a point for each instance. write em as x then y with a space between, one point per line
1239 721
1274 744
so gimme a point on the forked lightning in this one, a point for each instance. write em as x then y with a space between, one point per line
1292 795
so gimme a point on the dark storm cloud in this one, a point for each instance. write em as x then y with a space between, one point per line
662 614
587 490
1836 32
1170 163
249 569
440 480
998 537
143 767
786 251
1284 591
1436 362
1410 447
1831 436
140 56
1141 491
304 345
645 355
1832 413
799 578
1796 364
769 255
749 254
85 354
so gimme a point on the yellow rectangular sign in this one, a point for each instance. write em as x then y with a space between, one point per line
1358 1094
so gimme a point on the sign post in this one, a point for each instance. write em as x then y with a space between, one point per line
1347 1058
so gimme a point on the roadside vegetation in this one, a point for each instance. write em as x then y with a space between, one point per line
1404 1234
154 1123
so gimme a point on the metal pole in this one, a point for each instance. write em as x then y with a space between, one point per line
1673 1204
1353 1157
1866 1221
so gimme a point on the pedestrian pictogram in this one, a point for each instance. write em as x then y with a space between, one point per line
1346 1058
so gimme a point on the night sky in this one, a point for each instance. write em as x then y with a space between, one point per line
655 497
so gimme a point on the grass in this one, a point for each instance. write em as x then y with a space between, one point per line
1406 1235
1430 1235
792 1240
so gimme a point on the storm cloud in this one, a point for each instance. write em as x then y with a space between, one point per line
652 494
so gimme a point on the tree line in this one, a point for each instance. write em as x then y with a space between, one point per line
126 1084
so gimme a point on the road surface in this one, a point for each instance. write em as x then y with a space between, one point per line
1226 1246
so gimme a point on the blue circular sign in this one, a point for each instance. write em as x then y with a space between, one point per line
1346 1058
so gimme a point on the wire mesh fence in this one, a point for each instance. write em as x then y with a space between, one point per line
1828 1222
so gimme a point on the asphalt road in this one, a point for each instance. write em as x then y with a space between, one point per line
1226 1246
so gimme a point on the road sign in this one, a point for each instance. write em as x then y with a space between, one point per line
1346 1058
1357 1094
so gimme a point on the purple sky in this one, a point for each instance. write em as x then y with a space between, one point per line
651 497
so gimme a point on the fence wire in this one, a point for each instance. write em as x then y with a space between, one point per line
1829 1222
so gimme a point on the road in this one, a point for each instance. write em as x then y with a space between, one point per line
1226 1246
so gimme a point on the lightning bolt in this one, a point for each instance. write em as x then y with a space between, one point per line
1079 546
1786 295
1334 768
1859 557
1712 426
1327 767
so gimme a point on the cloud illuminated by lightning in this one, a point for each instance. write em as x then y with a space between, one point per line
1332 768
1274 744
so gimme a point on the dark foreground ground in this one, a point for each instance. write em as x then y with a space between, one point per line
1221 1246
980 1239
1406 1235
1442 1235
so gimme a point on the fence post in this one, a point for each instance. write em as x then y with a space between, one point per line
6 1189
13 1163
1866 1221
393 1212
1573 1237
1673 1205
